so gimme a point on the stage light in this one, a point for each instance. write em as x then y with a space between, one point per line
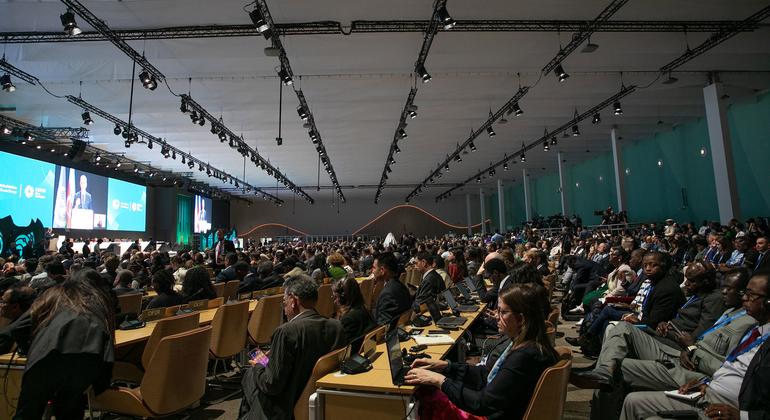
424 75
458 158
5 130
5 81
396 149
183 107
523 158
553 141
505 166
190 163
86 118
597 119
98 157
148 80
478 179
617 108
546 147
402 133
392 161
70 26
492 172
28 136
117 130
260 22
118 164
222 136
38 147
149 143
559 71
136 169
575 130
517 109
284 75
173 154
445 18
412 111
303 114
194 117
491 131
208 171
446 167
472 147
201 121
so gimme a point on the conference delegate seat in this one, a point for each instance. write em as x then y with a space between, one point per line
219 288
228 330
175 379
171 310
266 317
325 304
215 303
327 364
366 291
131 373
130 303
231 290
547 401
550 332
377 335
376 290
404 318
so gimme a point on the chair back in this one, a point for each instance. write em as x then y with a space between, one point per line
327 364
219 288
547 401
550 332
176 373
267 316
376 290
325 304
130 303
171 310
166 327
366 292
215 303
372 338
404 318
228 329
553 317
231 290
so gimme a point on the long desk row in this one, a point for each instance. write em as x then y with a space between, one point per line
371 394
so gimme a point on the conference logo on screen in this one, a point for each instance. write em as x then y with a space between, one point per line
132 206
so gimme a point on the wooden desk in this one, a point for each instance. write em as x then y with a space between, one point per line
372 395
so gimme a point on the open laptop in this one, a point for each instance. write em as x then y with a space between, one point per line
450 300
444 321
397 367
465 292
479 288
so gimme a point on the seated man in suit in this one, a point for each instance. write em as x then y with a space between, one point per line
394 298
16 303
757 259
228 273
271 391
431 285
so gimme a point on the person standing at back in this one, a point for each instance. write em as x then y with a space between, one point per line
272 390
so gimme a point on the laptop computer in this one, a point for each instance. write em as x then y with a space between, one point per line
465 292
395 357
444 321
479 288
450 300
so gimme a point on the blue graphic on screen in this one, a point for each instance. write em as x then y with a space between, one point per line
126 206
26 189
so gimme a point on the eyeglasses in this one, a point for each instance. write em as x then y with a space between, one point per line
751 295
501 312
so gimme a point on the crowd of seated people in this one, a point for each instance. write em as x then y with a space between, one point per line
659 305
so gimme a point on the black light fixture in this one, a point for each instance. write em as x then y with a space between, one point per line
148 80
402 133
412 111
285 76
5 81
617 108
136 169
214 129
201 120
5 130
392 161
523 158
446 167
190 163
458 158
183 160
259 21
424 75
86 118
302 112
553 141
491 131
597 119
478 179
183 107
546 147
396 149
575 130
222 136
173 154
505 165
70 26
472 146
517 109
28 136
149 143
559 71
117 130
444 18
98 157
492 172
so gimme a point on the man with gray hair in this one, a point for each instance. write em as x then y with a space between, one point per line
272 390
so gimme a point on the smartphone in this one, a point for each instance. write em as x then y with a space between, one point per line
259 357
416 331
438 331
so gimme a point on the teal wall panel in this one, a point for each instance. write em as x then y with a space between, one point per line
750 133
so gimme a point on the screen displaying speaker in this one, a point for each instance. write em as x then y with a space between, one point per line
63 197
202 214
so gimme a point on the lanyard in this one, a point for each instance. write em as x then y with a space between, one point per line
732 357
647 296
722 321
692 299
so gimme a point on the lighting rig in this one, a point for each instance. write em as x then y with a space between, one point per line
9 70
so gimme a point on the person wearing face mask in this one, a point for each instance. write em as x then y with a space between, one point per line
459 390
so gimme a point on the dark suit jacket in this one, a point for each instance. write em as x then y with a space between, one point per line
750 260
432 284
393 301
701 314
228 245
356 323
226 275
663 301
755 388
294 349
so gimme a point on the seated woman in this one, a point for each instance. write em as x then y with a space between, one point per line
197 285
502 388
72 348
163 283
355 318
336 266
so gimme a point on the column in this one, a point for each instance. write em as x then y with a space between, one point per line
617 162
562 183
525 181
501 205
483 212
721 154
468 213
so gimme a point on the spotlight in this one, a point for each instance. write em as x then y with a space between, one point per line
117 130
559 71
546 147
517 109
222 136
597 119
118 164
5 130
505 166
402 133
458 158
98 157
313 136
173 155
183 107
523 158
472 147
70 26
478 179
278 141
285 76
183 160
208 171
617 108
214 129
575 131
87 118
492 172
420 70
303 114
396 149
136 169
445 19
127 143
553 141
412 111
190 163
259 21
491 131
392 161
201 121
149 143
148 80
5 81
28 136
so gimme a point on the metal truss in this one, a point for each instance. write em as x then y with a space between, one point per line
18 73
52 134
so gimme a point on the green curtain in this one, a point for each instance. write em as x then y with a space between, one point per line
184 215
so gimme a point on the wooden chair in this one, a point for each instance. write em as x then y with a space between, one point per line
231 290
215 303
376 290
404 318
267 316
228 330
376 336
547 401
219 288
171 310
550 332
130 303
325 304
129 372
366 291
175 379
324 366
553 317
